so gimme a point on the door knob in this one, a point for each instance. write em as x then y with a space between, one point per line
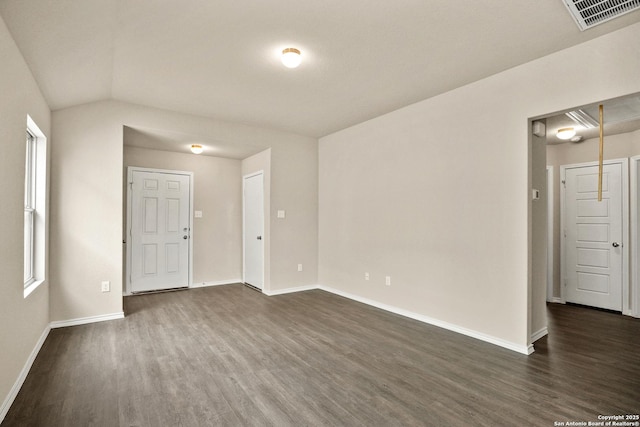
615 244
259 237
184 237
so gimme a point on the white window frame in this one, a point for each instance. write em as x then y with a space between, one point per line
30 190
35 233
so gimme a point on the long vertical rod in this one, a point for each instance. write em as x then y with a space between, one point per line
600 159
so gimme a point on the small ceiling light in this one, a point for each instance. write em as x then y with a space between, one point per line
566 133
576 138
291 57
196 149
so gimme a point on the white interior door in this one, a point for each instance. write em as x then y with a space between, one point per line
254 230
160 231
594 241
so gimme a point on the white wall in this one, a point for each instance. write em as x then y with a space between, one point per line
22 320
87 194
437 194
615 147
217 235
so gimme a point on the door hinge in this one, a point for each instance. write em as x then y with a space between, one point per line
564 182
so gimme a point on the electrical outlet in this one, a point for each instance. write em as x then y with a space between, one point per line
106 286
366 276
299 267
387 280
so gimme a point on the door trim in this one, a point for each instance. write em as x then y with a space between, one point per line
625 228
635 243
550 297
244 266
130 170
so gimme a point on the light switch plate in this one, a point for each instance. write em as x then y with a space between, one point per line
281 214
198 214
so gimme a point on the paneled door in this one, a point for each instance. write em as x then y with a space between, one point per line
594 238
159 230
253 224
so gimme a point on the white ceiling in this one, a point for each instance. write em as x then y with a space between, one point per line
219 58
165 140
620 115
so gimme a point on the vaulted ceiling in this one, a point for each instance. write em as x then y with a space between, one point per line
219 58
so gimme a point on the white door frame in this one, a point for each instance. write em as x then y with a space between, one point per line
244 265
130 170
625 228
634 169
550 297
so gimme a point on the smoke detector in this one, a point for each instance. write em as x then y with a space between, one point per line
589 13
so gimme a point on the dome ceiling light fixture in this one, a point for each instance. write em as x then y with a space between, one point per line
196 148
291 57
566 133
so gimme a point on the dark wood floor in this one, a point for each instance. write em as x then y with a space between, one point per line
228 355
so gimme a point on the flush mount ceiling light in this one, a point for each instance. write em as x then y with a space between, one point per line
291 57
566 133
196 148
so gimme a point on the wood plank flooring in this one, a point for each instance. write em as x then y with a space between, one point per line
230 356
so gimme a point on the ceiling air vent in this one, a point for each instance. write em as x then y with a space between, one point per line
588 13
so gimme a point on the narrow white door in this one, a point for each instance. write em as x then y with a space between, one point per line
254 230
160 231
594 236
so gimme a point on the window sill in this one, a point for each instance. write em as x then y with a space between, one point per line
32 287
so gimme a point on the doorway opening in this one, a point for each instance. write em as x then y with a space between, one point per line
621 141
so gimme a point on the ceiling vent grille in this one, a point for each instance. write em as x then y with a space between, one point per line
588 13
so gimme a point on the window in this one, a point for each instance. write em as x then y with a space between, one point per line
35 189
29 208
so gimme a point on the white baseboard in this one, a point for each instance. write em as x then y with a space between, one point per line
556 300
290 290
85 320
541 333
215 283
23 375
528 349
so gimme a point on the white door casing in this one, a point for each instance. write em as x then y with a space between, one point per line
159 230
594 243
253 230
634 306
550 286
